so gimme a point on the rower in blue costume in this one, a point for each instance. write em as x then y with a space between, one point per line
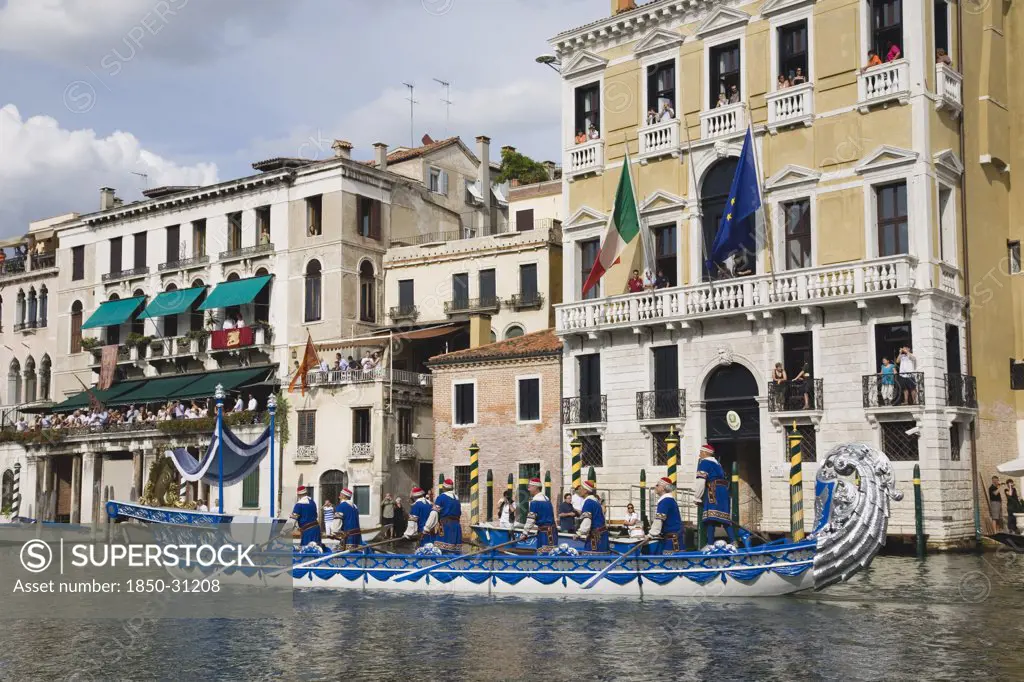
307 518
418 515
592 528
349 535
541 517
445 521
713 490
668 524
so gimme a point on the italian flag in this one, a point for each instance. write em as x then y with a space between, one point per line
623 227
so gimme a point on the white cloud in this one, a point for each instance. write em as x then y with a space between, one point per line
102 33
47 170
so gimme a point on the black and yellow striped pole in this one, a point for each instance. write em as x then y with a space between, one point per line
576 447
796 485
511 483
592 475
440 482
490 496
734 493
918 511
547 484
474 483
523 501
643 499
672 455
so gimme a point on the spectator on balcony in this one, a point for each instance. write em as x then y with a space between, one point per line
893 52
941 57
873 60
324 367
339 363
661 281
906 363
734 94
1013 506
888 373
799 78
352 364
652 117
667 112
239 406
649 280
779 380
722 101
251 404
995 503
264 238
593 134
3 257
581 137
802 383
739 265
228 323
239 321
782 82
634 284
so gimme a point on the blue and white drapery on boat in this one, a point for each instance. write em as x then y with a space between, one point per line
240 459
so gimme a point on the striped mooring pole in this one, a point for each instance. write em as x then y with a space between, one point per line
643 499
734 494
547 484
796 485
701 536
672 455
182 490
474 483
16 493
576 448
918 512
511 487
440 482
523 499
490 496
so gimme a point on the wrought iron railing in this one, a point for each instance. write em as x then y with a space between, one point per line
12 266
796 396
41 261
404 312
246 252
361 451
466 305
441 237
585 409
29 324
664 404
525 301
405 451
961 391
184 263
126 274
891 390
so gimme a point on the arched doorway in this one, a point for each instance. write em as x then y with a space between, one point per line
714 193
733 427
331 483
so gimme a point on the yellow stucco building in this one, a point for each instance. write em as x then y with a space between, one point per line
857 261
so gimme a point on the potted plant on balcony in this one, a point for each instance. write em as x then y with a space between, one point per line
156 347
137 344
91 345
197 340
263 332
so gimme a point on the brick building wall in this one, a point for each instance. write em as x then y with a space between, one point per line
504 443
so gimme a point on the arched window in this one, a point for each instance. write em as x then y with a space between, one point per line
196 316
30 380
19 311
33 308
7 492
14 382
367 293
714 193
171 321
138 324
331 483
513 331
44 377
44 299
261 305
313 292
114 331
76 327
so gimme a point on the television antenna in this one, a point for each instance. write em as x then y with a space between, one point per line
447 99
412 104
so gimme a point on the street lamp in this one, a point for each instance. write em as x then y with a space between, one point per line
550 60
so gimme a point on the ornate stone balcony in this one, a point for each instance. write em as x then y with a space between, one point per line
889 82
405 452
361 451
660 139
134 273
723 121
948 89
790 106
585 159
305 454
757 295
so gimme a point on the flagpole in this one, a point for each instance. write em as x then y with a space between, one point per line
272 408
645 232
765 212
695 192
218 394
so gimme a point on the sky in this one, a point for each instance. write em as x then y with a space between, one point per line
137 93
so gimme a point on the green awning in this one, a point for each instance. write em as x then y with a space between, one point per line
155 390
172 302
238 292
81 400
231 381
113 313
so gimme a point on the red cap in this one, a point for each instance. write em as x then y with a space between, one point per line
417 491
346 492
590 486
535 481
666 480
707 448
301 490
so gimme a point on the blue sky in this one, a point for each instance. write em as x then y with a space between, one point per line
193 91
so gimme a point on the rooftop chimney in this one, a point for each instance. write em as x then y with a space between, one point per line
479 330
622 6
483 150
380 151
106 198
342 149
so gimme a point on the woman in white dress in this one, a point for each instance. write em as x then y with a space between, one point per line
632 523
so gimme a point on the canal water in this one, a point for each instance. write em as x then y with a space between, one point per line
952 617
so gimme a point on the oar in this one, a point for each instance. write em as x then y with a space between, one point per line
421 571
593 581
317 560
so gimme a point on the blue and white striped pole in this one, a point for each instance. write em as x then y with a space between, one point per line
16 493
272 407
218 394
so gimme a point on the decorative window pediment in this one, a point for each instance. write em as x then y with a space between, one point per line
660 201
583 63
885 158
773 7
792 176
949 165
585 217
721 20
657 40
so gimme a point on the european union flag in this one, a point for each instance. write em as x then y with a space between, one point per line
735 233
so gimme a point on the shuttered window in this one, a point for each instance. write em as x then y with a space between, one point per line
251 490
465 404
529 400
307 427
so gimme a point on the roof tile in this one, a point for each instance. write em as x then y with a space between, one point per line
528 345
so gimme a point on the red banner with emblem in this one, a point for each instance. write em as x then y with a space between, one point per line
226 339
